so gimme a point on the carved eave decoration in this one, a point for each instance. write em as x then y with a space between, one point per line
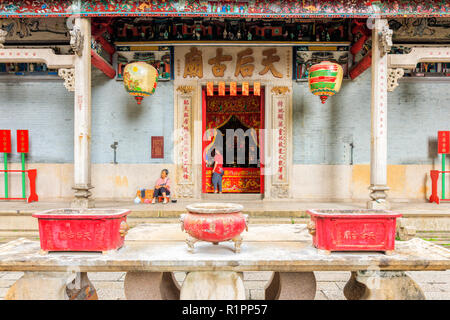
393 76
185 89
69 78
280 90
398 62
385 40
3 35
76 40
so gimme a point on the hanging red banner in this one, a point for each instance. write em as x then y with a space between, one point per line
221 88
257 88
245 88
210 89
443 142
5 141
22 141
233 89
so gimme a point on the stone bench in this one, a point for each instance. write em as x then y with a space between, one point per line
152 252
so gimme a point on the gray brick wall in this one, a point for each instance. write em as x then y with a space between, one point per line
46 109
323 132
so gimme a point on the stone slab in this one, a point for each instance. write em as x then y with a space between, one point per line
283 248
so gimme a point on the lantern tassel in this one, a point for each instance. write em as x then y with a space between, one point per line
323 99
139 99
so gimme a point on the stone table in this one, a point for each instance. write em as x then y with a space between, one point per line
152 252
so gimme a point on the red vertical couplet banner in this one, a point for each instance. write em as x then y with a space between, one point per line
5 141
22 141
443 142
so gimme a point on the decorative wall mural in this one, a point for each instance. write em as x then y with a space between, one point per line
36 29
420 30
306 56
250 8
206 29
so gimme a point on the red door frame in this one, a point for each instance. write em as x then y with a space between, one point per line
262 137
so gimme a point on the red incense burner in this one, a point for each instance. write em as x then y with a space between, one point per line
214 222
353 230
82 229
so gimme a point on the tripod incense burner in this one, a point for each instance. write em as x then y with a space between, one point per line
214 222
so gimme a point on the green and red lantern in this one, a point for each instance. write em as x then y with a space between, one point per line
140 80
325 79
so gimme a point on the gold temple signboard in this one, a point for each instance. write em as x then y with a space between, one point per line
233 63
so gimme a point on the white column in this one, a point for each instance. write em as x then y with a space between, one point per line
82 135
378 151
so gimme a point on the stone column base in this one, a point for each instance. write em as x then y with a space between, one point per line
213 285
382 285
378 204
83 203
83 198
291 286
378 196
151 286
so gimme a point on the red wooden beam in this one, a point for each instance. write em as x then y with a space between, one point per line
106 45
100 63
362 66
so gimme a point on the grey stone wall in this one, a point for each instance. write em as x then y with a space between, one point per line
46 109
323 133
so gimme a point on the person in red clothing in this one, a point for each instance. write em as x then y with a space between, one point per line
217 172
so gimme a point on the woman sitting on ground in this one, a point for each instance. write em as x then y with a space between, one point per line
162 186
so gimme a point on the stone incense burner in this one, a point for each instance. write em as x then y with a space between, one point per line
214 222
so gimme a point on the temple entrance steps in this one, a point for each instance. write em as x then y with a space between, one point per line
229 197
437 237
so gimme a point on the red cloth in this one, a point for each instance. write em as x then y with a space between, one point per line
218 159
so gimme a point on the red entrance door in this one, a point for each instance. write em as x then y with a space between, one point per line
216 111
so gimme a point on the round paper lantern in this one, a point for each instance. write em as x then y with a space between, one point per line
140 80
325 79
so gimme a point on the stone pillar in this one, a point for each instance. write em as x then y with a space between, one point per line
382 285
81 44
291 286
381 42
213 285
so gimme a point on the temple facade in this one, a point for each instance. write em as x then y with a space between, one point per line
231 74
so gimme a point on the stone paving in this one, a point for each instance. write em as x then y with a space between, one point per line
330 285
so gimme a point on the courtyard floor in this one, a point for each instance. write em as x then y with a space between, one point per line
278 208
436 285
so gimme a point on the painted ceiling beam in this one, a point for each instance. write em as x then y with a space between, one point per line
242 8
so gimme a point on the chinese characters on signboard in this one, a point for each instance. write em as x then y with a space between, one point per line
444 142
22 141
281 141
245 63
157 147
5 141
185 138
